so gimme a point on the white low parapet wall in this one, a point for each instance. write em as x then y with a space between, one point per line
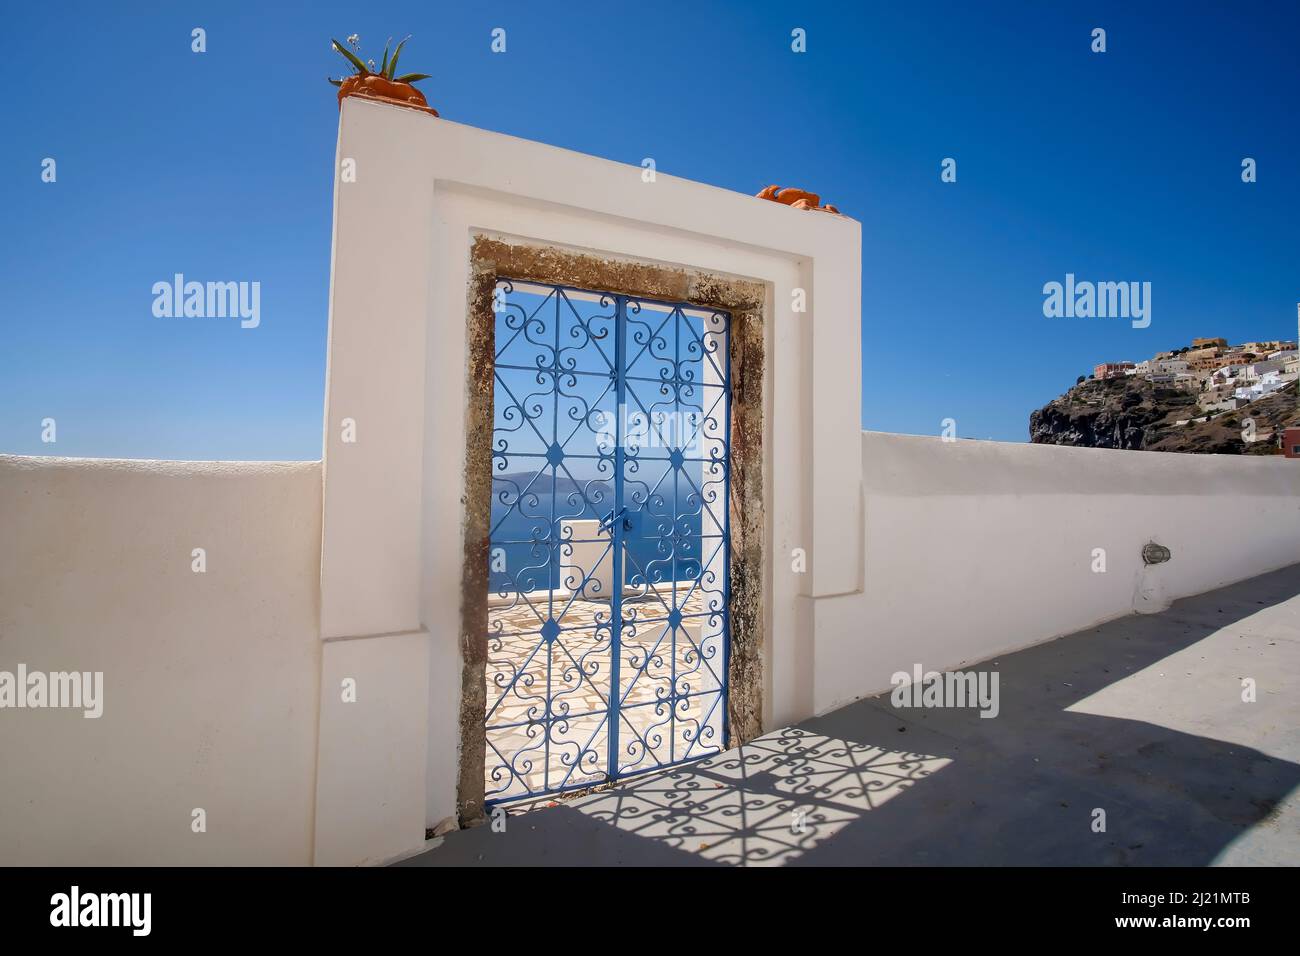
210 679
977 548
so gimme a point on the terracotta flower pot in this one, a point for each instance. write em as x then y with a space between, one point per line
796 199
375 87
790 196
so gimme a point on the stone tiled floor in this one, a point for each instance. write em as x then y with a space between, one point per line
533 748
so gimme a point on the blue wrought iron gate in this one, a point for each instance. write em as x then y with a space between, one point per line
609 547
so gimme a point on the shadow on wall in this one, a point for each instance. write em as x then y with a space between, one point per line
869 784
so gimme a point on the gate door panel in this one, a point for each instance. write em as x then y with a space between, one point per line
607 630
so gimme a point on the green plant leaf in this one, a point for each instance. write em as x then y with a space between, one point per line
392 66
383 67
351 58
413 77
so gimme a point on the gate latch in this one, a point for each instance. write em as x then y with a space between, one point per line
631 521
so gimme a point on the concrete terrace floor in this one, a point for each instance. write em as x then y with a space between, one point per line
1141 717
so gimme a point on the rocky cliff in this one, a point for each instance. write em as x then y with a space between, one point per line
1134 414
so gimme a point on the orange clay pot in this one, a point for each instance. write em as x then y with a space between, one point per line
375 87
796 199
789 196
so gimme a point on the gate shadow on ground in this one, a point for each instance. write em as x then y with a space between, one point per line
873 785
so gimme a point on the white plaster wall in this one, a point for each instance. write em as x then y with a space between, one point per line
977 548
392 502
210 680
370 806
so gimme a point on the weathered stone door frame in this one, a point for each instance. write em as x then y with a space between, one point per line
492 259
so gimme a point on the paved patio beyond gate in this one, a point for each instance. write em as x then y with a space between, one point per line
548 702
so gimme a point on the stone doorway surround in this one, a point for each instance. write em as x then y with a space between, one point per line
493 259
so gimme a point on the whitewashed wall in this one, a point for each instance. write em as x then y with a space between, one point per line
210 680
976 548
213 680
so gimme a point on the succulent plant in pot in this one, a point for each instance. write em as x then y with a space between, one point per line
382 84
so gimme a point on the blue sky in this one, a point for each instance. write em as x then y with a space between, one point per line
1116 166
